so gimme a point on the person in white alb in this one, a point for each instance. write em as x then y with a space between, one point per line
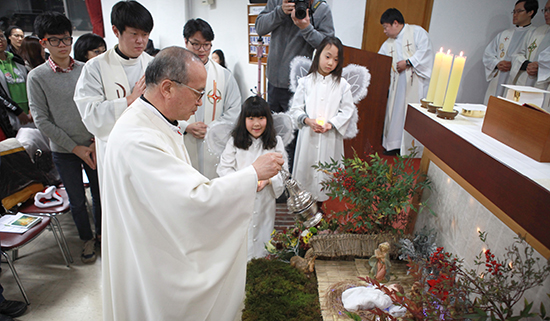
412 60
497 58
109 83
174 241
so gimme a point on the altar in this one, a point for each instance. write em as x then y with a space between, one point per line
480 184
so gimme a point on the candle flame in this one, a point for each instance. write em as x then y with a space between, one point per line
449 51
320 121
461 53
478 229
484 250
441 49
510 265
481 275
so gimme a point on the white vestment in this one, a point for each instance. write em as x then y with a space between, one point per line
263 218
221 102
543 77
533 44
412 43
319 97
174 242
505 45
101 92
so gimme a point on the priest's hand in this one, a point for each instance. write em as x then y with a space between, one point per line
504 66
287 7
401 66
268 165
85 153
532 68
197 129
138 90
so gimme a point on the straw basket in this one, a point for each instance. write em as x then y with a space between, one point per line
357 245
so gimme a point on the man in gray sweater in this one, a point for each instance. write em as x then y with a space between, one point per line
50 89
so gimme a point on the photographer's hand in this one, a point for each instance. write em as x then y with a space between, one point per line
288 7
301 23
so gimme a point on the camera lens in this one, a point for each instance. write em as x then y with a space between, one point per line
301 9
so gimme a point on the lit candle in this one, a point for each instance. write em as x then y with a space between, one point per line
443 78
454 83
320 121
435 74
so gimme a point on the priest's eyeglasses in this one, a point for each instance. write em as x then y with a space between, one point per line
518 11
200 93
197 46
55 42
545 10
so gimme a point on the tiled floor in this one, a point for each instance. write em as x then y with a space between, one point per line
56 292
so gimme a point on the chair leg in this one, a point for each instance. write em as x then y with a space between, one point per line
63 239
16 276
59 243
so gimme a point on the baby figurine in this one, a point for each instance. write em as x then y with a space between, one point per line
380 263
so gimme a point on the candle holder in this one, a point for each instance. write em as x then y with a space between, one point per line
424 103
433 108
447 114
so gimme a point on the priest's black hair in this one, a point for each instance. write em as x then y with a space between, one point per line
530 5
254 106
53 23
391 15
192 26
131 14
329 41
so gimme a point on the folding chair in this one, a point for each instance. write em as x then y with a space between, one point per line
14 241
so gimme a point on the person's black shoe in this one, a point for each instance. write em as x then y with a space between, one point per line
5 318
393 152
12 308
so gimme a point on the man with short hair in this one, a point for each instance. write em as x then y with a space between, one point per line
525 66
412 59
174 241
51 89
222 101
498 53
114 80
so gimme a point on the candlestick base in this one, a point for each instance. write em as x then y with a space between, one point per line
433 108
447 114
424 103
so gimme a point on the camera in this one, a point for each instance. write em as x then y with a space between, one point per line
300 8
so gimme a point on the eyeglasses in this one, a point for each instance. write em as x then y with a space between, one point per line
545 10
518 11
55 42
98 51
197 46
200 93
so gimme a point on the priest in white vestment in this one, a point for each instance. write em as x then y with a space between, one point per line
498 54
222 101
525 62
174 243
412 60
109 83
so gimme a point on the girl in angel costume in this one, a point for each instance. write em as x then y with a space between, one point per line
323 109
253 136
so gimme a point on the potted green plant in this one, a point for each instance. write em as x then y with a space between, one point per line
379 197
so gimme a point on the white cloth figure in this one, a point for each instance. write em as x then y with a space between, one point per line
174 245
319 97
533 44
543 77
368 297
221 102
412 43
505 45
101 91
263 217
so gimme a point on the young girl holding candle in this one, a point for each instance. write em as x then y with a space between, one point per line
253 136
323 110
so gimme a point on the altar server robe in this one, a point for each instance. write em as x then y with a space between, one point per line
221 102
505 45
263 218
408 86
320 97
101 91
174 242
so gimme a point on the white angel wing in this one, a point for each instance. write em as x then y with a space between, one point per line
217 136
299 67
283 126
359 79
